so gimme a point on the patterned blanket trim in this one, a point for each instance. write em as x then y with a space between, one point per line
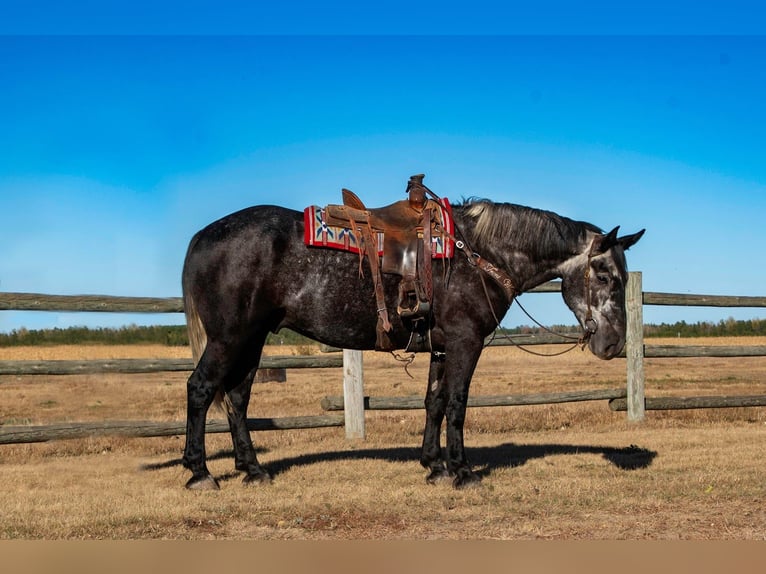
318 234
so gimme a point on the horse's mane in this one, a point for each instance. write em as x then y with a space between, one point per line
529 229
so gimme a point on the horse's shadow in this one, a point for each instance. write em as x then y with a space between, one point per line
484 459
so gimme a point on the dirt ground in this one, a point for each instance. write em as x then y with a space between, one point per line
567 472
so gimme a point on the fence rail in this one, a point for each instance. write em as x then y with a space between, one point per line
89 303
133 366
10 301
336 403
689 300
68 367
29 434
702 402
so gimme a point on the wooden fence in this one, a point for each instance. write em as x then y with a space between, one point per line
631 398
636 402
28 434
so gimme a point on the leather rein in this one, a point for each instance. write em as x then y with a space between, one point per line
590 325
506 284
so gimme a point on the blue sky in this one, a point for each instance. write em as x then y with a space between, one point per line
115 148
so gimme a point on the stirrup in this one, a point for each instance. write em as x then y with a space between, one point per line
420 337
413 303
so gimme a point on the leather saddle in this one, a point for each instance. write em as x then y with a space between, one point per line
408 227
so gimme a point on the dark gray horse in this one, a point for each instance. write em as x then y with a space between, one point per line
250 273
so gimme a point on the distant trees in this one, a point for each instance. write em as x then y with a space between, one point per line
175 335
130 335
724 328
170 335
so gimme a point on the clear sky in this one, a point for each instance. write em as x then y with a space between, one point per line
115 148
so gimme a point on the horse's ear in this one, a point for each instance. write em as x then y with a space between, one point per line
609 240
628 241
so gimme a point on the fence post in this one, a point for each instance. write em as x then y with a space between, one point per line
634 346
353 394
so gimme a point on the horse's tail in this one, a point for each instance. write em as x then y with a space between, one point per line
194 326
196 329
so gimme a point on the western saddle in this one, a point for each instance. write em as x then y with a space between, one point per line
408 227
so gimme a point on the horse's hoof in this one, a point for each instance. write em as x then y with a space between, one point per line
466 480
438 475
259 478
205 482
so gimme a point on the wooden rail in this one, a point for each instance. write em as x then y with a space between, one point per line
678 351
29 434
88 303
119 304
701 402
69 367
689 300
336 403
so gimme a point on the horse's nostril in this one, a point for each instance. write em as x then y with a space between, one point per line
614 349
607 350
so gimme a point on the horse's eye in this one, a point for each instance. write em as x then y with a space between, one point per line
603 279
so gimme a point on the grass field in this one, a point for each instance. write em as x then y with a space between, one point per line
571 471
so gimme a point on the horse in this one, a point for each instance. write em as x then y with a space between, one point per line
250 274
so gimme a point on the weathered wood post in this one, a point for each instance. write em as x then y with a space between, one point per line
634 346
353 394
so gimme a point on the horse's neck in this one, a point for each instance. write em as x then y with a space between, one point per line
547 267
527 264
528 273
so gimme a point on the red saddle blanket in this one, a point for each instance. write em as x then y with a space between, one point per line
318 234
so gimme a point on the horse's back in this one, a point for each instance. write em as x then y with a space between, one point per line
246 232
259 222
228 261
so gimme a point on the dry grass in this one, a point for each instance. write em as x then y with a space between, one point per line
576 471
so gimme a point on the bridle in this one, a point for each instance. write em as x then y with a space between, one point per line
590 324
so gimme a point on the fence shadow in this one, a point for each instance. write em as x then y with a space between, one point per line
485 459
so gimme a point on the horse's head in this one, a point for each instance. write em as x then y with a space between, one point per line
593 287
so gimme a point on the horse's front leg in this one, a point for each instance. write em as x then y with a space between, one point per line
459 369
436 405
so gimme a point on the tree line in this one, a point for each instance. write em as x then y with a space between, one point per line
176 335
169 335
724 328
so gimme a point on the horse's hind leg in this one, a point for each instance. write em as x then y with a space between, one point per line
219 364
201 389
245 459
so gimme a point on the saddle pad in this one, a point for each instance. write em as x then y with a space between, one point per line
318 234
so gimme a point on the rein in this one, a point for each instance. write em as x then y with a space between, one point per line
580 341
590 324
506 284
